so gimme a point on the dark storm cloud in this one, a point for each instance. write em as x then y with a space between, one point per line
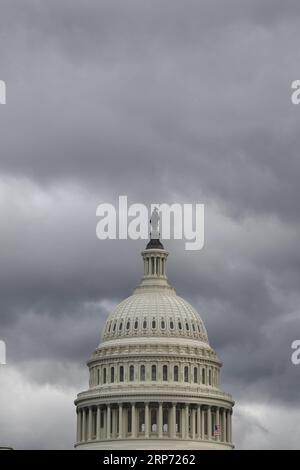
165 102
196 86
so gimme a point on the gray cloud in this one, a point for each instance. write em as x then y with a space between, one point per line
161 101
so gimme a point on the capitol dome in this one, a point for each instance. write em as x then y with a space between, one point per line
154 314
154 378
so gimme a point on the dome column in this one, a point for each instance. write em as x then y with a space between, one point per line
186 421
193 423
78 425
120 421
230 428
160 420
202 423
108 425
173 422
199 433
98 423
90 422
209 423
133 421
217 426
147 420
83 424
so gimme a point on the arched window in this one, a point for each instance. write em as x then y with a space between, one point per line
114 328
128 325
153 372
195 375
98 376
143 373
145 324
112 375
180 325
165 373
186 374
171 325
187 326
121 374
163 325
153 324
104 375
131 373
175 373
203 376
121 326
136 324
209 377
193 326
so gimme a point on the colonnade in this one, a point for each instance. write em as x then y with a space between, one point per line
154 265
155 420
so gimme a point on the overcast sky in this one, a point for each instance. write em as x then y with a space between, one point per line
164 101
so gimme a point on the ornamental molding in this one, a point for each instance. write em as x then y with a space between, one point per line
170 351
223 401
133 393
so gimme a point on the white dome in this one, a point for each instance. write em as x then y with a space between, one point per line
154 378
154 314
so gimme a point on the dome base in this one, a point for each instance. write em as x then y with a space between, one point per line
154 444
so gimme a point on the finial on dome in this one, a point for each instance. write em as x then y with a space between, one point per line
154 232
